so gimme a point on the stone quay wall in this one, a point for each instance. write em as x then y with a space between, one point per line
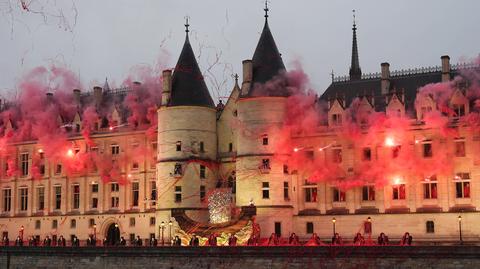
344 257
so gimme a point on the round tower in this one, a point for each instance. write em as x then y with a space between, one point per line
261 178
187 141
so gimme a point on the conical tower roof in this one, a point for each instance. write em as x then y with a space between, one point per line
188 85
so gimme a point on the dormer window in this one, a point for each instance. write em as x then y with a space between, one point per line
458 110
337 119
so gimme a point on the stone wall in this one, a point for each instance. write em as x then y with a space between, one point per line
243 257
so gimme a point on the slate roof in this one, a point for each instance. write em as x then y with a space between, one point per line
188 85
267 63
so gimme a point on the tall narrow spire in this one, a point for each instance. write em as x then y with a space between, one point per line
355 71
266 10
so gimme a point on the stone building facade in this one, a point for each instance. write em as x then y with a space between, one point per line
201 147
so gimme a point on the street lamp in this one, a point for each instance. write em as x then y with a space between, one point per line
21 232
460 229
333 221
170 223
162 227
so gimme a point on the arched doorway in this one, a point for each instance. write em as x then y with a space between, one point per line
113 234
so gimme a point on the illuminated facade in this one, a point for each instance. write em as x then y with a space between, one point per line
200 147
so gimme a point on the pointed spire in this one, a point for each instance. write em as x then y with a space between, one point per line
267 61
188 86
106 87
355 71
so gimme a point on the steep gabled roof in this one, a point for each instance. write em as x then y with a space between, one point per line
188 85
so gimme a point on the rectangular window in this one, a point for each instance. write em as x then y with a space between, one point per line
430 227
368 193
202 147
278 229
58 169
132 222
73 223
430 190
459 148
40 198
115 187
309 227
337 119
286 195
24 163
399 192
58 197
54 224
91 222
132 238
177 169
311 194
202 171
42 169
265 190
309 154
94 187
338 195
135 193
135 165
202 193
462 185
459 110
115 202
265 140
178 146
337 155
178 194
23 199
265 163
7 200
427 150
94 203
38 224
152 221
230 147
115 149
76 196
153 192
396 151
285 169
367 154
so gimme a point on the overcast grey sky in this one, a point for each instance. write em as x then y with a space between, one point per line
101 39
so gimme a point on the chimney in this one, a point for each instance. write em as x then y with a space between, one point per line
247 76
97 95
76 96
167 86
385 83
49 97
445 68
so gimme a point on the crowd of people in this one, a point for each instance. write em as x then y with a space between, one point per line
254 240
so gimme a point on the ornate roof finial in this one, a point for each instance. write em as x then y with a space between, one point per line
333 76
235 77
266 9
186 24
354 24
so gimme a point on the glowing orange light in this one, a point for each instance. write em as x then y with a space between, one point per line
320 149
110 128
70 153
40 150
396 180
129 175
389 142
295 149
417 141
